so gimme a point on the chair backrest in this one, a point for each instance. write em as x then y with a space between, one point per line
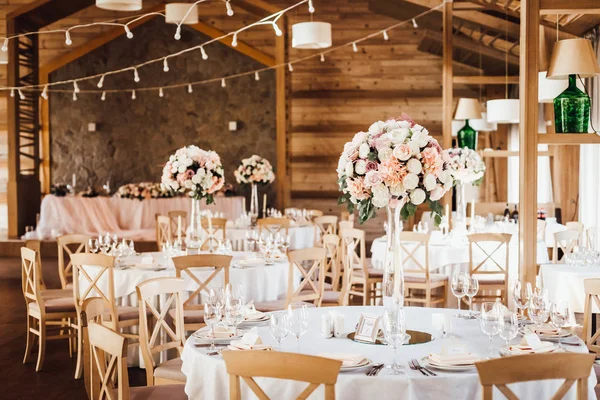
575 226
186 266
215 233
315 213
325 225
490 264
173 216
156 334
163 230
354 239
592 297
36 245
410 248
571 367
331 243
591 235
312 275
30 282
273 225
91 311
565 241
69 244
108 353
345 225
541 229
315 371
93 276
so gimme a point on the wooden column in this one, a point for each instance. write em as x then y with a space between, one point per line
447 84
528 137
282 178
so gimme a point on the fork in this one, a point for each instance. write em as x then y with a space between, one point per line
419 366
414 368
374 370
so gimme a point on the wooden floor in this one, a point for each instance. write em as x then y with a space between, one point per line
18 380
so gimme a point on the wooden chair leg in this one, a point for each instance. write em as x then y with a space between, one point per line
365 294
30 339
428 297
42 346
79 349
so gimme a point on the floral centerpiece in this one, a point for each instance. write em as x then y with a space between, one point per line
144 190
254 170
396 165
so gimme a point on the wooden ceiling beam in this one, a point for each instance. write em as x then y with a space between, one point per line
485 80
569 7
257 7
41 13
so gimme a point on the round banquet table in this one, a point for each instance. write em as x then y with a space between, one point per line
301 236
207 377
565 283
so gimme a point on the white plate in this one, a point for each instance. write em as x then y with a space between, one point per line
207 340
450 368
506 353
366 363
251 322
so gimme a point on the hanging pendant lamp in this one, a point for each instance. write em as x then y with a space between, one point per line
119 5
503 111
311 35
177 13
482 124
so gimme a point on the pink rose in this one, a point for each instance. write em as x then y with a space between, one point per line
372 178
402 152
372 166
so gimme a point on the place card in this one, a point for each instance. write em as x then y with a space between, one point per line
454 347
367 329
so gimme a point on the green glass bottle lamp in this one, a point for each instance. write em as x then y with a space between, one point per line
467 108
467 137
572 109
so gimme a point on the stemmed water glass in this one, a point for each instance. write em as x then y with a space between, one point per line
279 326
509 327
285 242
234 312
559 315
472 290
93 245
216 297
489 322
394 331
522 296
212 316
539 310
298 317
459 285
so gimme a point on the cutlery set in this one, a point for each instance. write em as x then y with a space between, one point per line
374 370
415 366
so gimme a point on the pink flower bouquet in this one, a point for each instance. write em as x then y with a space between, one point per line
254 169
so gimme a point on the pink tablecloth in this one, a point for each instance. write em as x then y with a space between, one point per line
125 217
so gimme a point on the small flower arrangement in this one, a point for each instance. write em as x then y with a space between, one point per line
143 190
254 169
466 165
89 192
194 171
395 163
59 190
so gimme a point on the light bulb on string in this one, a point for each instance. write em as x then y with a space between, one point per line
161 93
128 32
278 31
311 8
75 87
234 41
136 76
178 32
290 67
165 65
354 48
101 82
385 36
74 96
22 96
414 22
45 92
133 95
12 92
103 96
229 8
5 45
204 55
223 84
190 89
322 57
256 76
68 40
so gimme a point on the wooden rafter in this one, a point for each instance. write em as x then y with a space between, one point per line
554 7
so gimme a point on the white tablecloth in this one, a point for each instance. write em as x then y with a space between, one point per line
207 377
565 283
301 237
125 217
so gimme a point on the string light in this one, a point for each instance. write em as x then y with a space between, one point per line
178 32
223 84
161 93
75 87
415 23
385 36
290 67
21 95
12 92
322 57
68 40
256 76
229 8
5 45
45 93
128 32
74 96
311 8
133 95
204 55
103 96
165 65
101 82
276 29
354 48
190 89
136 76
234 40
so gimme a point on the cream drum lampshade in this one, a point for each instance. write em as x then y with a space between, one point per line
3 57
573 57
176 13
482 124
120 5
311 35
503 111
468 109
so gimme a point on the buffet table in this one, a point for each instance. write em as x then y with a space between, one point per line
207 377
130 218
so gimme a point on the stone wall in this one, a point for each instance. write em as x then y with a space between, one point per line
134 138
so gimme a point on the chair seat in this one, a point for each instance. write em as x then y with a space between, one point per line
69 286
373 273
274 305
420 278
125 313
56 293
55 305
189 316
491 279
330 297
170 370
171 392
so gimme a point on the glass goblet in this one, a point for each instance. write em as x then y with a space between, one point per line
279 326
509 327
394 331
298 317
212 316
459 284
559 315
489 321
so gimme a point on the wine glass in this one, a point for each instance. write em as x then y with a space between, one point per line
509 326
279 326
472 290
216 297
234 312
559 315
460 286
212 316
298 317
285 242
489 322
539 310
394 331
93 245
522 296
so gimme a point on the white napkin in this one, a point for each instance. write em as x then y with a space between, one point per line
347 359
251 263
546 347
250 341
454 359
147 260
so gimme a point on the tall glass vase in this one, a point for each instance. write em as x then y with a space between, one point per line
194 236
393 274
254 204
460 223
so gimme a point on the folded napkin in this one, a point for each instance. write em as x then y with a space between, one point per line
347 359
254 316
548 331
454 359
251 263
250 341
546 347
221 332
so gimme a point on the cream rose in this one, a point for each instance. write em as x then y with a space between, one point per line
349 169
364 150
437 193
414 166
384 154
361 167
430 182
410 181
402 152
417 197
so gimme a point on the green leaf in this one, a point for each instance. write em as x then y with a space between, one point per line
372 156
437 219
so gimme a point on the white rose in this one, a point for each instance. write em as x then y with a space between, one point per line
364 150
410 181
414 166
360 167
376 127
414 147
398 190
417 197
188 184
404 124
196 179
341 164
445 177
430 182
391 124
437 193
380 201
421 137
181 169
384 154
398 135
349 169
402 152
359 138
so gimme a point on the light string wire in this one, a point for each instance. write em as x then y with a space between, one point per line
269 20
221 79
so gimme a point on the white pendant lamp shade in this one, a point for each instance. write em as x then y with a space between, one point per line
311 35
503 111
482 124
573 56
120 5
468 109
178 12
3 57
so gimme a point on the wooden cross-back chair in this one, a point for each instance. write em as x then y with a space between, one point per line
592 297
188 267
91 311
591 235
273 225
345 225
69 245
163 231
246 365
572 367
108 358
36 245
325 225
492 276
565 241
365 279
417 275
213 235
93 276
157 333
331 243
173 215
46 309
341 297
